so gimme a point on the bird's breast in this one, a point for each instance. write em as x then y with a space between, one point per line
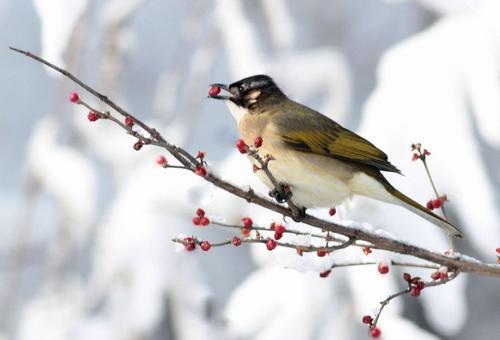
316 181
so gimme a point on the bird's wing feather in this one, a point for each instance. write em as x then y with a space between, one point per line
316 133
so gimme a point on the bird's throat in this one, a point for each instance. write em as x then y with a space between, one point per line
237 111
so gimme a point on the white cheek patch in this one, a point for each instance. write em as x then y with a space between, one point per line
253 95
236 111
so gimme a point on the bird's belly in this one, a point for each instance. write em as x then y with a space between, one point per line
316 181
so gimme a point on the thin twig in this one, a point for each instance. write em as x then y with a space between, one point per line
428 284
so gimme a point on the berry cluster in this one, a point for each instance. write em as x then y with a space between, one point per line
244 148
279 229
200 219
374 330
418 153
436 203
247 224
128 122
190 244
415 284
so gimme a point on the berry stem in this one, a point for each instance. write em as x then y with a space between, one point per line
424 161
407 291
327 237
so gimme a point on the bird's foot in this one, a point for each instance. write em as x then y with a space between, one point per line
282 193
297 213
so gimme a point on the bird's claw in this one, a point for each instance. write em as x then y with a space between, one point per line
282 194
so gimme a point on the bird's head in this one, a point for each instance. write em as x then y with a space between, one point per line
249 93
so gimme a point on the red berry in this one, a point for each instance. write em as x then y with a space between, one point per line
236 241
277 235
415 292
321 253
430 205
415 280
255 168
367 319
443 275
299 252
138 145
189 243
200 212
271 244
242 146
415 157
245 232
258 142
161 160
213 91
279 228
196 220
325 273
74 97
247 222
383 268
435 275
332 211
92 116
201 171
426 152
204 221
375 332
437 203
201 154
421 285
367 250
498 250
129 121
407 277
205 245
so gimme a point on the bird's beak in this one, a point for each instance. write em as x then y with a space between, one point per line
222 87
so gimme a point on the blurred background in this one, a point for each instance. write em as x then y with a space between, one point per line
86 221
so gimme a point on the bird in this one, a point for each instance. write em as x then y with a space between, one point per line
318 160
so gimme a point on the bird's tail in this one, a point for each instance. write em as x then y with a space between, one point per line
401 199
427 214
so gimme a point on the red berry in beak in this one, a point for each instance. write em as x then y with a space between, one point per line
214 90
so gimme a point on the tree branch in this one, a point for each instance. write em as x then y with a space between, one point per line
455 262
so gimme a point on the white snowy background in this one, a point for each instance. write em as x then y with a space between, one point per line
86 221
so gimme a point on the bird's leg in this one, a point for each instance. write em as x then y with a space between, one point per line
281 193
